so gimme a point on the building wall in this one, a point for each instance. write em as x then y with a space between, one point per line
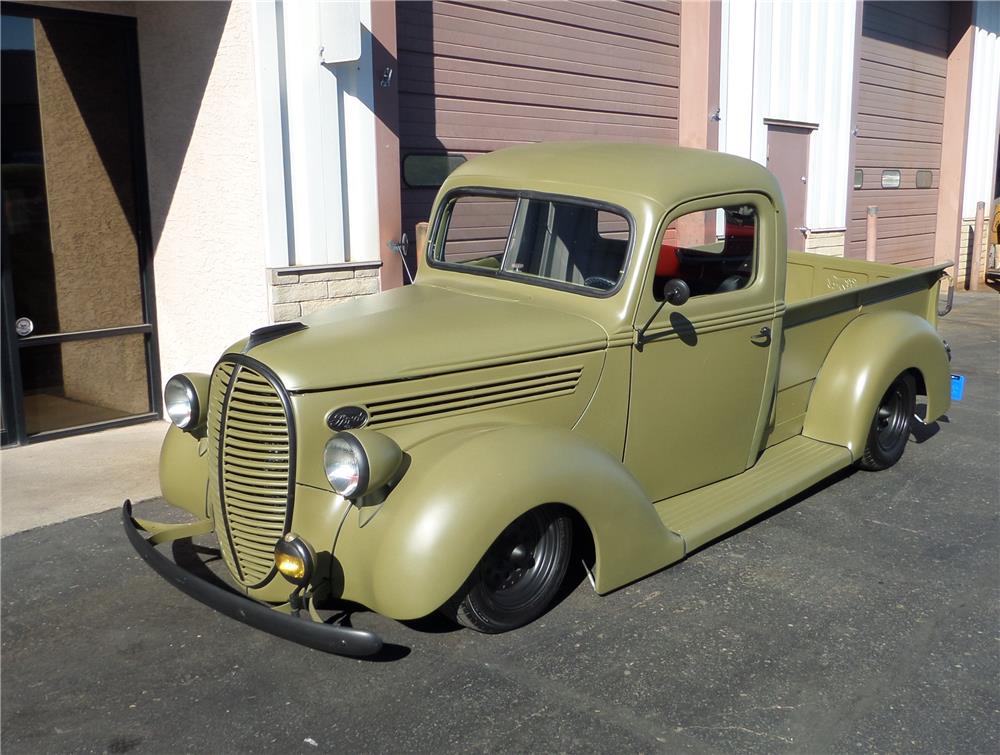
89 190
792 61
966 249
199 107
984 109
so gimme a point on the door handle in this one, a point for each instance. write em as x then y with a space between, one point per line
763 338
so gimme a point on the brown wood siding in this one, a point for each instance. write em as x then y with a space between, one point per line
478 76
899 116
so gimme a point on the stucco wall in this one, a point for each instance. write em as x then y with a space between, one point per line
199 104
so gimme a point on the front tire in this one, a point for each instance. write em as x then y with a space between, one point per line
890 428
519 576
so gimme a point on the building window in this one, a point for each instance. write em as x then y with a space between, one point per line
859 178
891 179
429 171
924 179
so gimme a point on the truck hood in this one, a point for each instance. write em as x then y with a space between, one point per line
418 331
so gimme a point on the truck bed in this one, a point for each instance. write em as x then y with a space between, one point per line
823 295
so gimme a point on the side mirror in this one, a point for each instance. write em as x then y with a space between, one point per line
676 291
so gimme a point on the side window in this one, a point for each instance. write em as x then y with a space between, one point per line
478 229
712 251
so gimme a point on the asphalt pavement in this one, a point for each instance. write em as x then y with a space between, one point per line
861 617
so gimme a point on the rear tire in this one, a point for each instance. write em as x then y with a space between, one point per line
890 428
518 577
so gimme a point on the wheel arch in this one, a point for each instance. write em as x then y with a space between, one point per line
871 352
417 551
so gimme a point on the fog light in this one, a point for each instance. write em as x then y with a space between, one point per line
294 559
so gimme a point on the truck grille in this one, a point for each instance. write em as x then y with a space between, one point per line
250 452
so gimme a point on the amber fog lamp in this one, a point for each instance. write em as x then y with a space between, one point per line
184 399
294 559
359 461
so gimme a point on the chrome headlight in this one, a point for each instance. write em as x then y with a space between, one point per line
359 461
180 398
346 464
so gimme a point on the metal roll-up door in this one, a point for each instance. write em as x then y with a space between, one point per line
899 116
478 76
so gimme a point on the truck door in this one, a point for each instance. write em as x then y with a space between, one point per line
703 371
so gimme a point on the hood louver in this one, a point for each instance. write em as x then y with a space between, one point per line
476 397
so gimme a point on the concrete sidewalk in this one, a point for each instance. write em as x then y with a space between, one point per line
61 479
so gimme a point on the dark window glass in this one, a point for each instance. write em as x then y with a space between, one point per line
924 179
713 251
429 171
561 241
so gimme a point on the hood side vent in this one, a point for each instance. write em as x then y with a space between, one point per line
476 397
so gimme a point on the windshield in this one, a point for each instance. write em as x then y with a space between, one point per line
558 241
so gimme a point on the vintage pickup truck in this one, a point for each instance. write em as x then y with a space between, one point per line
606 345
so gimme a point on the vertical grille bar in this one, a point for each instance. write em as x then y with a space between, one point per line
251 451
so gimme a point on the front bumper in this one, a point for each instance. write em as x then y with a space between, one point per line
329 638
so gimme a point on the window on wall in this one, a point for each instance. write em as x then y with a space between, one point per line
924 179
429 171
859 178
713 251
891 179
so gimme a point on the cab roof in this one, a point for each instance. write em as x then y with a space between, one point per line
665 174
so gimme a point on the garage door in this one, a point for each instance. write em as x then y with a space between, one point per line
478 76
899 117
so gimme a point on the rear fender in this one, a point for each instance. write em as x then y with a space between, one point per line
462 489
866 357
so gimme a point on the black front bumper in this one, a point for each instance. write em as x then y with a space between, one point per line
329 638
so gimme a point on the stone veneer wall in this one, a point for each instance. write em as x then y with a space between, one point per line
965 248
299 291
830 243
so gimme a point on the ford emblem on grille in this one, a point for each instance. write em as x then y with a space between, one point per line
347 418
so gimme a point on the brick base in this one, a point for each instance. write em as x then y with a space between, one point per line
830 243
298 291
966 251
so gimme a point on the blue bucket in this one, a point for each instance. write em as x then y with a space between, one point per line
957 387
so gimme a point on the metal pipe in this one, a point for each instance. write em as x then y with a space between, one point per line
977 245
871 236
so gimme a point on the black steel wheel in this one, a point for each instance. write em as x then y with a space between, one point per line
519 576
890 428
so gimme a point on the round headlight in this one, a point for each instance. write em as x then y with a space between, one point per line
181 400
346 464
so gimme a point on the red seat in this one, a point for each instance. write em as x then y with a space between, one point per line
667 264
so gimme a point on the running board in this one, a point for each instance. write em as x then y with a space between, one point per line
783 471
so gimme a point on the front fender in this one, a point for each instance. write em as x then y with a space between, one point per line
866 357
462 489
184 471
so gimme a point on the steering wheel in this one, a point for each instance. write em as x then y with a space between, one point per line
599 281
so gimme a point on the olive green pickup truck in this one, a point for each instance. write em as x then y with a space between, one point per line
607 350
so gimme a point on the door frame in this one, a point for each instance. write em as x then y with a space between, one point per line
768 279
805 128
16 432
